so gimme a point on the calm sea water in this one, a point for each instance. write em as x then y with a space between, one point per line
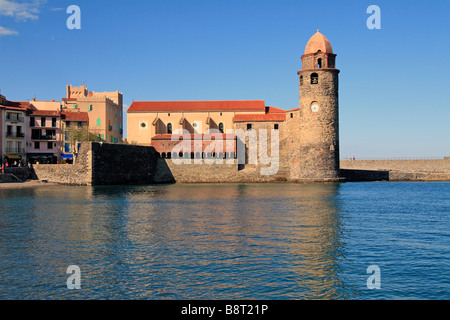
256 241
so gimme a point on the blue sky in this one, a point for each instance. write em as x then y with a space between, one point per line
394 82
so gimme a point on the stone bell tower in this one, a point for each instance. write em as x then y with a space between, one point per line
318 140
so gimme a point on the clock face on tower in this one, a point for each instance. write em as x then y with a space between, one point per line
314 107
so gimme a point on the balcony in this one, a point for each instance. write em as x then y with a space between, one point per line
44 138
38 125
15 150
14 118
15 135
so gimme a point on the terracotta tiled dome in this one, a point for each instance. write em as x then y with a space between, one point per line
318 42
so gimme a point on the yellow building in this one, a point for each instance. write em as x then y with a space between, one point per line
105 110
148 119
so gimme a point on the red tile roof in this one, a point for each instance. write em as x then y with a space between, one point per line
16 105
277 117
45 113
192 106
274 110
69 99
75 116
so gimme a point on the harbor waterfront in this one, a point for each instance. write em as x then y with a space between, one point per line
226 241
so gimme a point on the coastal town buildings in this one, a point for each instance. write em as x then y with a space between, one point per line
74 125
50 131
43 136
105 110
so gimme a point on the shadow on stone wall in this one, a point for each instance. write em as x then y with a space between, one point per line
14 175
364 175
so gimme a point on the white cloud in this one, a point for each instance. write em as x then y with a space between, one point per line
7 32
21 11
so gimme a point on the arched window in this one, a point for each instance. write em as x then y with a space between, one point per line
314 78
301 80
163 155
221 127
319 63
169 128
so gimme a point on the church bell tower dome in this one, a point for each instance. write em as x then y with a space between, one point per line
318 42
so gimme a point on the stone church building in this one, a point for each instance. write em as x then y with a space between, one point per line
308 135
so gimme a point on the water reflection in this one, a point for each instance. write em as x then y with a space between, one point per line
271 241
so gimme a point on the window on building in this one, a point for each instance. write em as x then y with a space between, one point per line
249 126
103 136
36 134
66 147
169 128
75 106
292 115
301 80
99 122
32 122
221 127
275 126
67 123
90 107
319 63
49 145
53 122
80 124
314 78
19 132
37 145
42 121
221 114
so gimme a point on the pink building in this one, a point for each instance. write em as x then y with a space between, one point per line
12 136
43 136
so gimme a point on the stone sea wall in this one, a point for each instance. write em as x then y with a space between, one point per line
113 164
396 170
438 165
105 164
214 173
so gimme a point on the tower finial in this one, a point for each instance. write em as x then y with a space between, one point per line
317 30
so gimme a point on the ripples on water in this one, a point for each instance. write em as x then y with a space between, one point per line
261 241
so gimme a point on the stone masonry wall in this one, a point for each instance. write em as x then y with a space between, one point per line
106 164
114 164
77 174
396 170
215 173
442 166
